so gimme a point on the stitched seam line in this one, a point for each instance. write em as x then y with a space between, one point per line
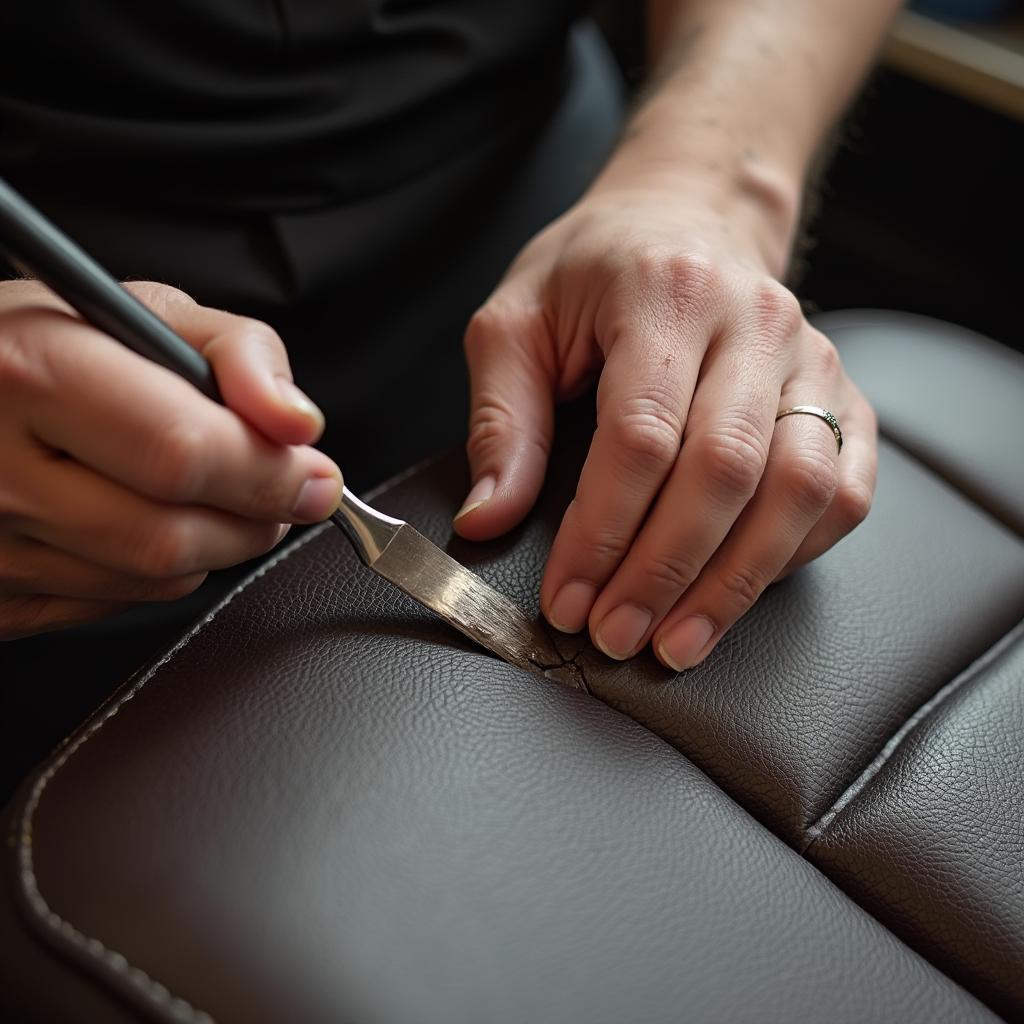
816 830
63 931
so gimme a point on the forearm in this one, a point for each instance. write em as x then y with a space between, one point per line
741 95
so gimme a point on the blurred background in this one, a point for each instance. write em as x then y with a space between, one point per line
922 206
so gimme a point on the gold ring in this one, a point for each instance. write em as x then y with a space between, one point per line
822 414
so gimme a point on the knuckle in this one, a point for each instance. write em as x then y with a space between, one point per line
732 459
18 368
852 503
671 571
743 584
499 320
824 355
811 480
485 323
647 436
777 310
256 332
491 424
600 544
157 296
679 282
688 275
166 553
179 460
604 548
241 332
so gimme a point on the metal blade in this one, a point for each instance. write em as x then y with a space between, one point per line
434 579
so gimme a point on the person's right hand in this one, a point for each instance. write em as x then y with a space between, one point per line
119 481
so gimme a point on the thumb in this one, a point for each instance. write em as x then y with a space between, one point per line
249 362
511 380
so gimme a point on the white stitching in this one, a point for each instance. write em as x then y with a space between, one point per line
92 947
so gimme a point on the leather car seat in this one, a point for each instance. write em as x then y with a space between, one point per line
323 805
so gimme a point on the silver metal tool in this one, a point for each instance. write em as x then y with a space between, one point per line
390 547
396 551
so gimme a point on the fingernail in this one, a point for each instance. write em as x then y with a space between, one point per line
571 606
281 531
481 492
298 400
682 645
622 630
319 497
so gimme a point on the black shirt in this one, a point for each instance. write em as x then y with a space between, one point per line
265 105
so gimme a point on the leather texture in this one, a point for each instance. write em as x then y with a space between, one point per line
931 838
795 703
324 805
949 396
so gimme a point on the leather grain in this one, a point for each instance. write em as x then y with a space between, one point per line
802 695
325 807
952 398
932 841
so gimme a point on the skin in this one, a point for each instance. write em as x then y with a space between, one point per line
663 282
114 495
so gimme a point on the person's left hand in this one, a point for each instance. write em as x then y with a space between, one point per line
692 498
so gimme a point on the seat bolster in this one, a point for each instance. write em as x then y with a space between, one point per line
951 397
324 806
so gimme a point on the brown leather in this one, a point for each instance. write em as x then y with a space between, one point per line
323 805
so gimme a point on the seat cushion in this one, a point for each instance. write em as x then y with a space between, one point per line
324 805
930 837
950 397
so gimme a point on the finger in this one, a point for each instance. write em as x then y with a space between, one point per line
27 615
724 452
249 362
858 470
798 485
511 415
114 527
642 397
30 567
143 426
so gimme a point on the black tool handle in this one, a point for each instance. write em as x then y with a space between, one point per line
37 247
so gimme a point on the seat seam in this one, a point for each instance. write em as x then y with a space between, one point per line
952 482
49 921
817 829
920 457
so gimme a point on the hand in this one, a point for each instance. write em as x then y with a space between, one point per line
692 498
119 482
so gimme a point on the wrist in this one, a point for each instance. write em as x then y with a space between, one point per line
752 204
